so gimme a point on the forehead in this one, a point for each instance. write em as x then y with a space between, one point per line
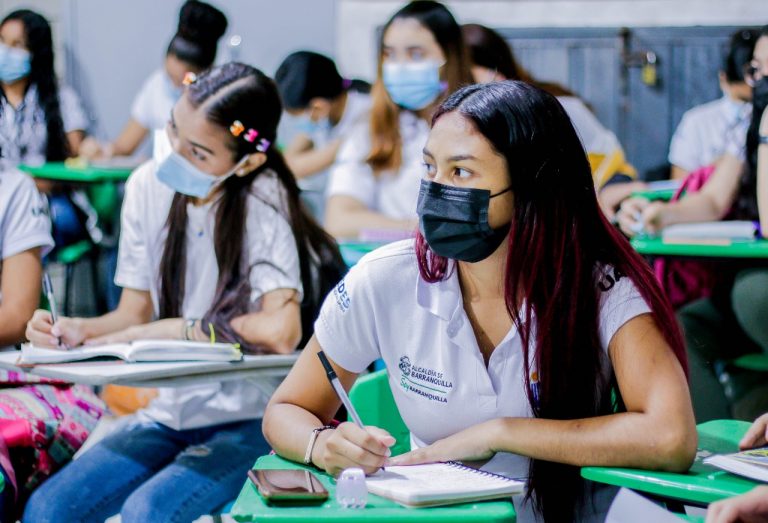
454 134
761 49
193 123
12 29
408 32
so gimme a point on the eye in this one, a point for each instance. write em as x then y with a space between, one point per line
462 173
416 54
430 169
199 155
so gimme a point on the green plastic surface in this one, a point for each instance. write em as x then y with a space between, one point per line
250 507
756 362
59 171
352 251
73 253
663 195
701 484
737 249
373 400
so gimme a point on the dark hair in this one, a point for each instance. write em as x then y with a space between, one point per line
746 201
739 54
232 92
305 75
43 77
488 49
200 27
566 239
384 123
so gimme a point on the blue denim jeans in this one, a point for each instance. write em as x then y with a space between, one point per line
148 472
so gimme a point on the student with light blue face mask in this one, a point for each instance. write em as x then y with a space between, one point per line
374 184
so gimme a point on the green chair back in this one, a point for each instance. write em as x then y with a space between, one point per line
375 404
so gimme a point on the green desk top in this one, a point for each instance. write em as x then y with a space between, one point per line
738 249
60 171
352 251
250 507
660 194
702 484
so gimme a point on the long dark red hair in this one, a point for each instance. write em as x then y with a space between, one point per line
558 242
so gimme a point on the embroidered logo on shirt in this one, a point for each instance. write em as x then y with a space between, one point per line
425 382
609 280
341 296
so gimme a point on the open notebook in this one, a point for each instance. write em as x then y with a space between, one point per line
440 484
710 232
752 463
143 350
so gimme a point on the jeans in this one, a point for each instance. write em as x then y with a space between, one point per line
148 472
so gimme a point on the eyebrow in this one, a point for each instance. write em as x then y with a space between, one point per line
195 144
457 158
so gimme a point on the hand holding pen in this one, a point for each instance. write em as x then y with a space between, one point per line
48 290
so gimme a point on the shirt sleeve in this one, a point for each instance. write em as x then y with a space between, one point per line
26 224
620 302
142 108
351 175
685 149
133 270
736 140
72 114
273 256
346 328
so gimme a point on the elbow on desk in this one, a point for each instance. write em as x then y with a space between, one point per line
675 449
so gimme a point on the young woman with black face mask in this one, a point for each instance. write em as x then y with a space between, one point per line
519 329
732 321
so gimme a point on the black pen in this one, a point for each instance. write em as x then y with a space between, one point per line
340 392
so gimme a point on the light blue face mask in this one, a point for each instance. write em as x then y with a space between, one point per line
173 92
412 85
179 174
308 126
15 63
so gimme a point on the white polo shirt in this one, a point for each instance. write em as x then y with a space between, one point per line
391 193
271 255
705 131
154 101
383 309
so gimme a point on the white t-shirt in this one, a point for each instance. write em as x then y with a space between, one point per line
24 222
383 309
272 256
392 194
152 105
595 137
705 131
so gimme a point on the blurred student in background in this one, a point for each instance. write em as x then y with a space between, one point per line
328 107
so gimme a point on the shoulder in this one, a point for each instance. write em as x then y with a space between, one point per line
68 95
704 111
267 194
15 188
389 265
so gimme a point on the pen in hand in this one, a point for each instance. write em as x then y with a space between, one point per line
48 290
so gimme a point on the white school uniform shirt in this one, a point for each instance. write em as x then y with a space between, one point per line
391 193
271 253
23 131
383 309
24 222
705 131
154 101
595 138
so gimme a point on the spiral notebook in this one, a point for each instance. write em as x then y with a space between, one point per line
437 484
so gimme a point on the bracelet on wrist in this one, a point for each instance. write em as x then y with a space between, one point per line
312 441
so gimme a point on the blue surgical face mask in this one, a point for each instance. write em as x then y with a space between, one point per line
15 63
173 92
310 127
179 174
412 85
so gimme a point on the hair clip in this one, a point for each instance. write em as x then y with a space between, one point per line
189 78
263 145
236 128
250 135
346 83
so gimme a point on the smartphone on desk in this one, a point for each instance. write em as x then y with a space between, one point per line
288 486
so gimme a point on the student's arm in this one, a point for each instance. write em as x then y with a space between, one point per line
135 308
762 176
126 144
678 173
313 160
749 507
75 139
305 401
610 196
20 287
711 203
657 432
277 325
346 216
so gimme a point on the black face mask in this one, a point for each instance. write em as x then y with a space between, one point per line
454 221
760 95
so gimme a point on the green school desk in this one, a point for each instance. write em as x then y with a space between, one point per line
702 484
352 251
61 172
653 246
250 507
662 194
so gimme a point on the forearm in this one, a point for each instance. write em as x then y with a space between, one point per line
692 208
307 163
762 186
277 331
629 439
12 324
288 427
111 322
349 223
